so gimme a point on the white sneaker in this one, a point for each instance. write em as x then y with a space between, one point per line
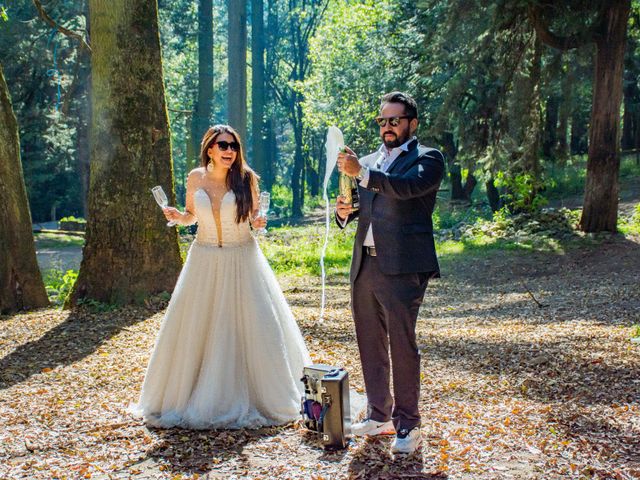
372 427
406 441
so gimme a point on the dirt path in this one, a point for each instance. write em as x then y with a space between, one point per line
510 389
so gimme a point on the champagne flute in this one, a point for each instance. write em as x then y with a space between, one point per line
161 199
264 202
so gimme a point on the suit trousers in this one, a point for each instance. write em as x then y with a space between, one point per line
385 310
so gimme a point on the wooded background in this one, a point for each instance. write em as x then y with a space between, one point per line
113 97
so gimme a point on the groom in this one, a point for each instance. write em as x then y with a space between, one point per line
393 259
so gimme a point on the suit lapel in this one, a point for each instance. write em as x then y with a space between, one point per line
404 159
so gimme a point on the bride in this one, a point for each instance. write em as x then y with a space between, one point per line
229 353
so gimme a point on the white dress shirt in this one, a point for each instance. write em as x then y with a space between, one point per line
384 160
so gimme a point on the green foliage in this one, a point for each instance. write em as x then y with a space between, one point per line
631 225
522 191
72 219
447 216
297 250
281 198
3 13
96 306
57 241
355 56
635 331
59 284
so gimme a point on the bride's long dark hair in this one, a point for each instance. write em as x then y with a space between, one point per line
241 178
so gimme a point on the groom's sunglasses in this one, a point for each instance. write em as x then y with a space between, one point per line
224 146
393 121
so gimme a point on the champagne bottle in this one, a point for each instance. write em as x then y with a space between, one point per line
349 190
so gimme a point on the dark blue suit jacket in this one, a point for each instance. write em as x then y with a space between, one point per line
399 205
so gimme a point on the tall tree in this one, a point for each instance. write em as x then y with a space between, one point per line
237 94
129 253
631 118
21 285
600 209
258 93
203 108
302 20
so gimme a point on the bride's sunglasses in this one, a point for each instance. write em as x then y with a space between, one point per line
393 121
224 146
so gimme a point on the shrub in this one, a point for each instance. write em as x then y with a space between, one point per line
72 224
59 284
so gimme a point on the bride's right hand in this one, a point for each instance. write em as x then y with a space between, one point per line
172 214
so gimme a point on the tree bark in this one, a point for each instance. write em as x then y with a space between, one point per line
297 177
600 206
202 111
129 253
493 195
258 93
237 94
579 141
550 132
600 209
631 118
21 285
455 171
566 104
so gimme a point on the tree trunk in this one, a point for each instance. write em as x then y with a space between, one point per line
237 94
455 171
202 111
550 132
566 104
579 144
631 119
271 146
600 209
469 185
297 182
21 285
258 86
129 252
493 195
313 165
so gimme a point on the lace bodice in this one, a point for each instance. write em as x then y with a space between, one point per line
232 233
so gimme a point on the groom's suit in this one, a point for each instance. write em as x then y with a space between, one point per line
388 282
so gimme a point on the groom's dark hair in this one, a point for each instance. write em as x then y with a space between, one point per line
410 105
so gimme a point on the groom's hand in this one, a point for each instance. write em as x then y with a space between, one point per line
348 162
343 209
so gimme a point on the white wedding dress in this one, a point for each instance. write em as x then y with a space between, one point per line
229 353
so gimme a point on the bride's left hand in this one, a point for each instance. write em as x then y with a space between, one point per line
259 222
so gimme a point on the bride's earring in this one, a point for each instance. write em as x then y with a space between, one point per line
210 166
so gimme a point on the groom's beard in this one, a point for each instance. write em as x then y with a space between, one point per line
391 140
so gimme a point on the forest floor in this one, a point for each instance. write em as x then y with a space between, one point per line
528 372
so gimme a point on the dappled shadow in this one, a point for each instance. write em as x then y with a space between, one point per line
488 267
619 442
312 440
192 452
373 460
70 341
546 371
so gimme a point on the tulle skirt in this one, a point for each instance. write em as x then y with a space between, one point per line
229 353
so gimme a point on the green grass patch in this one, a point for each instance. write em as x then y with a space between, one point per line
297 250
630 226
55 241
568 179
